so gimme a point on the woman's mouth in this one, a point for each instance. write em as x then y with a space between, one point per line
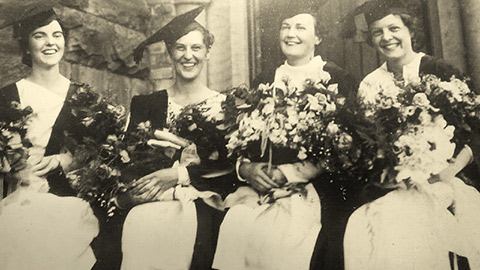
291 42
189 65
49 51
390 46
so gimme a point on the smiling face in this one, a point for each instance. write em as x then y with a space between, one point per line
189 54
298 39
392 38
46 45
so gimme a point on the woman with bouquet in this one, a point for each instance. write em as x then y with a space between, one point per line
177 210
42 224
426 212
275 221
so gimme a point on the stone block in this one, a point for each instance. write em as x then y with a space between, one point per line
118 88
163 84
99 43
133 14
161 73
11 67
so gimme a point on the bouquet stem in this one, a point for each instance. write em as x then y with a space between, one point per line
270 158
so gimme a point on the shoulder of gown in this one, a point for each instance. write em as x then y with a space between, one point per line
347 83
266 76
8 94
152 107
439 67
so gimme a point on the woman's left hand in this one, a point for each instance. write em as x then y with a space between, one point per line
45 165
151 185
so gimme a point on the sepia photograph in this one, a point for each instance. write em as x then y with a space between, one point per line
239 135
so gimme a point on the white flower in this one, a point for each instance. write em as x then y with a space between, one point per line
425 117
330 107
302 153
313 103
453 88
332 128
420 99
269 107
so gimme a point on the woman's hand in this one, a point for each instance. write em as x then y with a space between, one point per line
256 175
461 161
152 185
45 165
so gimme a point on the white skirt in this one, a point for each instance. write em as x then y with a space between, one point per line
413 229
45 231
276 236
161 235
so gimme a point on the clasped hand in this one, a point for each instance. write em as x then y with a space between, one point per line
151 187
256 174
42 165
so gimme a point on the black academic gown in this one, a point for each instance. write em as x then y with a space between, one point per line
153 107
328 252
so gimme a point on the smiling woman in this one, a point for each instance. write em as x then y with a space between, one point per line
304 229
173 222
407 225
43 225
47 45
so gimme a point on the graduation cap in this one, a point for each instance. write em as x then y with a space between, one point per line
23 13
369 12
170 33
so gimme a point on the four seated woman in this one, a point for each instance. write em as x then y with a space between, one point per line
176 215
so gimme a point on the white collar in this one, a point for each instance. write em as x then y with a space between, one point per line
410 71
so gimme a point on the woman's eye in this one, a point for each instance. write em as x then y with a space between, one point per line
301 27
37 36
376 33
57 35
394 28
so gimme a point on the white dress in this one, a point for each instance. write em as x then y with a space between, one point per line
281 234
161 235
39 230
413 228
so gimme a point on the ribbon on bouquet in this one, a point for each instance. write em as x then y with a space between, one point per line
286 191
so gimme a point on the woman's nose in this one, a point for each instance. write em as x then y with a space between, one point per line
386 35
50 40
291 32
188 53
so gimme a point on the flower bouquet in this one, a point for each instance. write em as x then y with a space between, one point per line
13 144
202 123
289 125
94 139
106 158
419 125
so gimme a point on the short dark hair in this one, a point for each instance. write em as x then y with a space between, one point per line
321 30
22 34
414 27
208 37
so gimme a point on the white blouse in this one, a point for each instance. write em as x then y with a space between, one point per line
46 107
295 76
